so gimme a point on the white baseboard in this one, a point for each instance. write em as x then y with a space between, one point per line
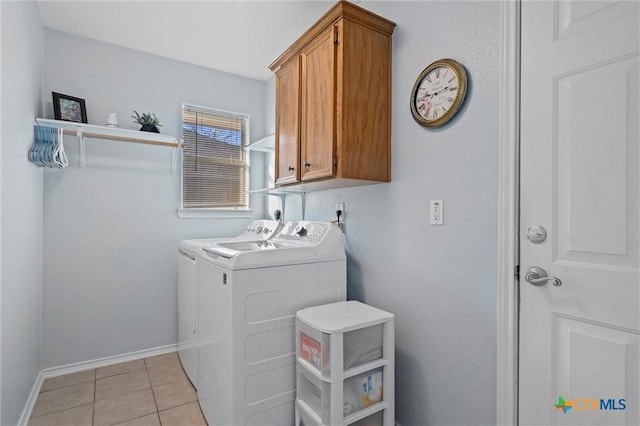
110 360
82 366
31 401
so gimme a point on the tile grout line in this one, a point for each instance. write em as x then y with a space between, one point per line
57 389
153 394
177 406
59 411
95 380
62 387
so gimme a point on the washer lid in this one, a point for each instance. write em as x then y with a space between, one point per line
297 243
229 250
258 230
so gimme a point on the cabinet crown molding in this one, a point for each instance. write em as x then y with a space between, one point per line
345 10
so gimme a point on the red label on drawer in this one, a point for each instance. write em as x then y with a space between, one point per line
310 350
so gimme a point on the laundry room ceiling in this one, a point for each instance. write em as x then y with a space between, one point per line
239 37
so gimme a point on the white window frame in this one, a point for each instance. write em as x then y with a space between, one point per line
215 212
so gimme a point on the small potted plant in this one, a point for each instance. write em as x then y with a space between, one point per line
149 121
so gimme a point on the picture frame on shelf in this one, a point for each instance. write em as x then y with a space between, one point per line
69 108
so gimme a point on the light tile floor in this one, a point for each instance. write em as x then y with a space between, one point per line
150 391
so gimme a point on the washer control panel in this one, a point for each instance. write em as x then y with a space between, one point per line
261 229
303 231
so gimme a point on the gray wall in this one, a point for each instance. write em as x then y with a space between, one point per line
21 200
111 230
440 281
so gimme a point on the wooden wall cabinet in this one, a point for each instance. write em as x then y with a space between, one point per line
333 102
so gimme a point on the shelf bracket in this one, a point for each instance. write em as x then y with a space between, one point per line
282 194
303 199
279 195
175 153
81 141
282 204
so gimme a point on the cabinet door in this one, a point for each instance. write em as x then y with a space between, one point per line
363 114
318 143
288 123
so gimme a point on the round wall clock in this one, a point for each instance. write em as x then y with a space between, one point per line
438 93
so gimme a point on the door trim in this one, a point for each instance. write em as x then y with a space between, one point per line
508 216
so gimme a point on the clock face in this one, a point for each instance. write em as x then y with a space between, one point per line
438 93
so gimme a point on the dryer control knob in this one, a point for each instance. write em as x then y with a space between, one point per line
301 230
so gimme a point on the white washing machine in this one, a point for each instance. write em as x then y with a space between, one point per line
258 230
248 296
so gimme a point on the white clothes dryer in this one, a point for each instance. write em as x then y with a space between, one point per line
257 230
248 296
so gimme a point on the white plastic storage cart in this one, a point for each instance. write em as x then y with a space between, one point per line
345 365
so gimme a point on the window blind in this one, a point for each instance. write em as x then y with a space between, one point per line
215 164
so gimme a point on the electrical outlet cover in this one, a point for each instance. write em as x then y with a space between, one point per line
436 212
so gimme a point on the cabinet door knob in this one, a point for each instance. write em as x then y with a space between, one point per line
307 164
291 168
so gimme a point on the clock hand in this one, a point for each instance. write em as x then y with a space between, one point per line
441 90
427 95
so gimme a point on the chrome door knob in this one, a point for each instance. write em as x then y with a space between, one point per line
538 276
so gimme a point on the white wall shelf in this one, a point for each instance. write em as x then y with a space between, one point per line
266 144
84 130
276 191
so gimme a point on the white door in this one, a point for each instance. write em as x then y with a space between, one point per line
578 354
